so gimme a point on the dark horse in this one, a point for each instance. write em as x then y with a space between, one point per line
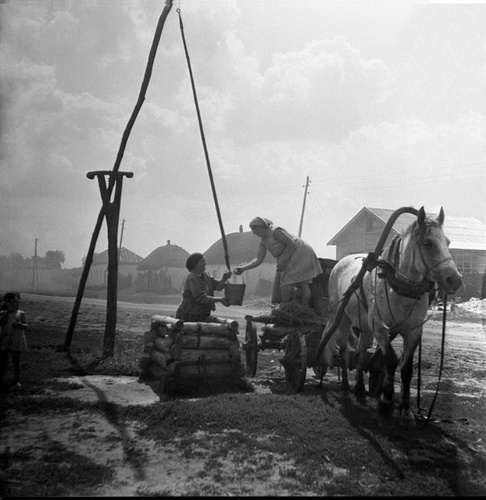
392 299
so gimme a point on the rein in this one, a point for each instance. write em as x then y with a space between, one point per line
414 290
422 418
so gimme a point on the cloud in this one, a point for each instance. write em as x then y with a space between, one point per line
374 120
325 91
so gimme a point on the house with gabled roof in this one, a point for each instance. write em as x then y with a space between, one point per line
242 248
163 270
127 268
467 237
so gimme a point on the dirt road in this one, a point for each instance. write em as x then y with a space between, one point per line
447 459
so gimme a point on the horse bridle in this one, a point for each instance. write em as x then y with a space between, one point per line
428 269
400 283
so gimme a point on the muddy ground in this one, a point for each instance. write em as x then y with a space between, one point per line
445 457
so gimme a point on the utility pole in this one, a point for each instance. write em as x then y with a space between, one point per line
35 269
121 239
303 206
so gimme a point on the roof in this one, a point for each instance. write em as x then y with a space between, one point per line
125 257
169 255
242 247
466 233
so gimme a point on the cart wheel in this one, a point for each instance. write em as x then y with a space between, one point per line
251 349
295 362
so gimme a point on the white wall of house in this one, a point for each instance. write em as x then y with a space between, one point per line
163 280
98 273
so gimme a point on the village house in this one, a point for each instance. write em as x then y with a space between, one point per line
242 248
127 269
163 271
467 243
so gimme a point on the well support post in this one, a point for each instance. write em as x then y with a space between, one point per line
112 213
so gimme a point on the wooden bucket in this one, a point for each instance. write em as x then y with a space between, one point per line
234 293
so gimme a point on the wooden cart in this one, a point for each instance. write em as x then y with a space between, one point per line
298 343
297 338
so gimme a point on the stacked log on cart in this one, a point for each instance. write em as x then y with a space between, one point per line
184 355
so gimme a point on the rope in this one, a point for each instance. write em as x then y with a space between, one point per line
225 244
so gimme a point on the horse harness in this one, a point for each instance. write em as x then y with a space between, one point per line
398 282
404 287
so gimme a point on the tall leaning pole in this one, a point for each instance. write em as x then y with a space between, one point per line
141 97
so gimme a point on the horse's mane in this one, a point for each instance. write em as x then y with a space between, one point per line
391 253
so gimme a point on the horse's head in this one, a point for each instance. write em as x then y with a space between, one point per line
432 257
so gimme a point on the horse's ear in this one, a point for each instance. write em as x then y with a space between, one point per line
421 216
440 217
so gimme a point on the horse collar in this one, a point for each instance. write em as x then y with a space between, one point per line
401 285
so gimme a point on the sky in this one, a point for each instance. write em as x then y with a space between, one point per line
379 103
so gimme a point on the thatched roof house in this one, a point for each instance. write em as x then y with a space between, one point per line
127 268
125 256
163 270
242 248
169 255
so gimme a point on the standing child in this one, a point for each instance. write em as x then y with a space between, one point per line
13 323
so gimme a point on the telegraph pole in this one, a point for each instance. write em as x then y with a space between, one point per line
121 239
303 206
35 270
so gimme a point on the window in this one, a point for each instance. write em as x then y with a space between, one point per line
466 262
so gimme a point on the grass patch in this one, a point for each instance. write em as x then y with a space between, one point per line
53 471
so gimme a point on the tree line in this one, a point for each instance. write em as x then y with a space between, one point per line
52 259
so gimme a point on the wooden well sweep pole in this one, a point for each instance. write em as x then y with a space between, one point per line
121 150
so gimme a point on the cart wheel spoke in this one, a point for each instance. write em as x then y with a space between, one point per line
251 349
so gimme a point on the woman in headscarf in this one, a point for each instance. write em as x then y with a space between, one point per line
198 299
297 263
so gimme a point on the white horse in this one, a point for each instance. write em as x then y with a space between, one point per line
393 298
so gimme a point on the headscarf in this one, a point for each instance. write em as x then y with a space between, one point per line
261 221
193 260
